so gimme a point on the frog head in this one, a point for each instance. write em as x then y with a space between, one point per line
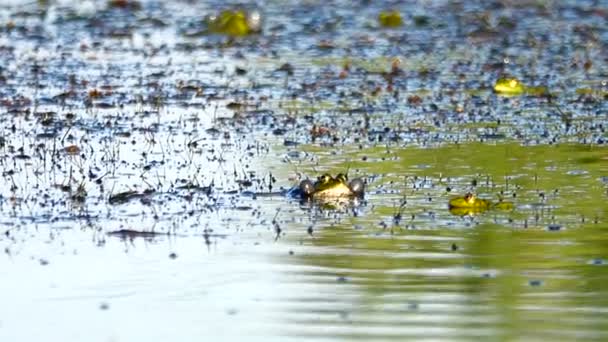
509 86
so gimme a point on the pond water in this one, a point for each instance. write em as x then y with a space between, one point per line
145 162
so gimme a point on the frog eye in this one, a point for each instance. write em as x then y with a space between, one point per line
325 178
342 177
357 186
469 197
307 187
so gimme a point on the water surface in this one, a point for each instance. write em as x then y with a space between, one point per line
144 164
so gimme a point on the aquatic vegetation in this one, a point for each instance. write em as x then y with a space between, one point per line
421 20
390 19
126 196
537 91
287 68
125 4
130 234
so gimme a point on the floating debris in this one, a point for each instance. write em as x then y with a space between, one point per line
126 196
72 150
125 4
286 67
597 262
132 233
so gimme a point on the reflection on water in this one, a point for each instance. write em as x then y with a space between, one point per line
295 271
497 278
440 283
135 291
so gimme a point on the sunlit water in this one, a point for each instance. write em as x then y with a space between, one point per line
208 246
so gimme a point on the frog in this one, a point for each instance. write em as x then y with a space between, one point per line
390 19
470 204
234 23
509 86
328 187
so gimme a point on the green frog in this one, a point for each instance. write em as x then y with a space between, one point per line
328 187
513 87
234 23
390 19
470 204
509 86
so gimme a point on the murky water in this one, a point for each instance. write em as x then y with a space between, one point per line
144 164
